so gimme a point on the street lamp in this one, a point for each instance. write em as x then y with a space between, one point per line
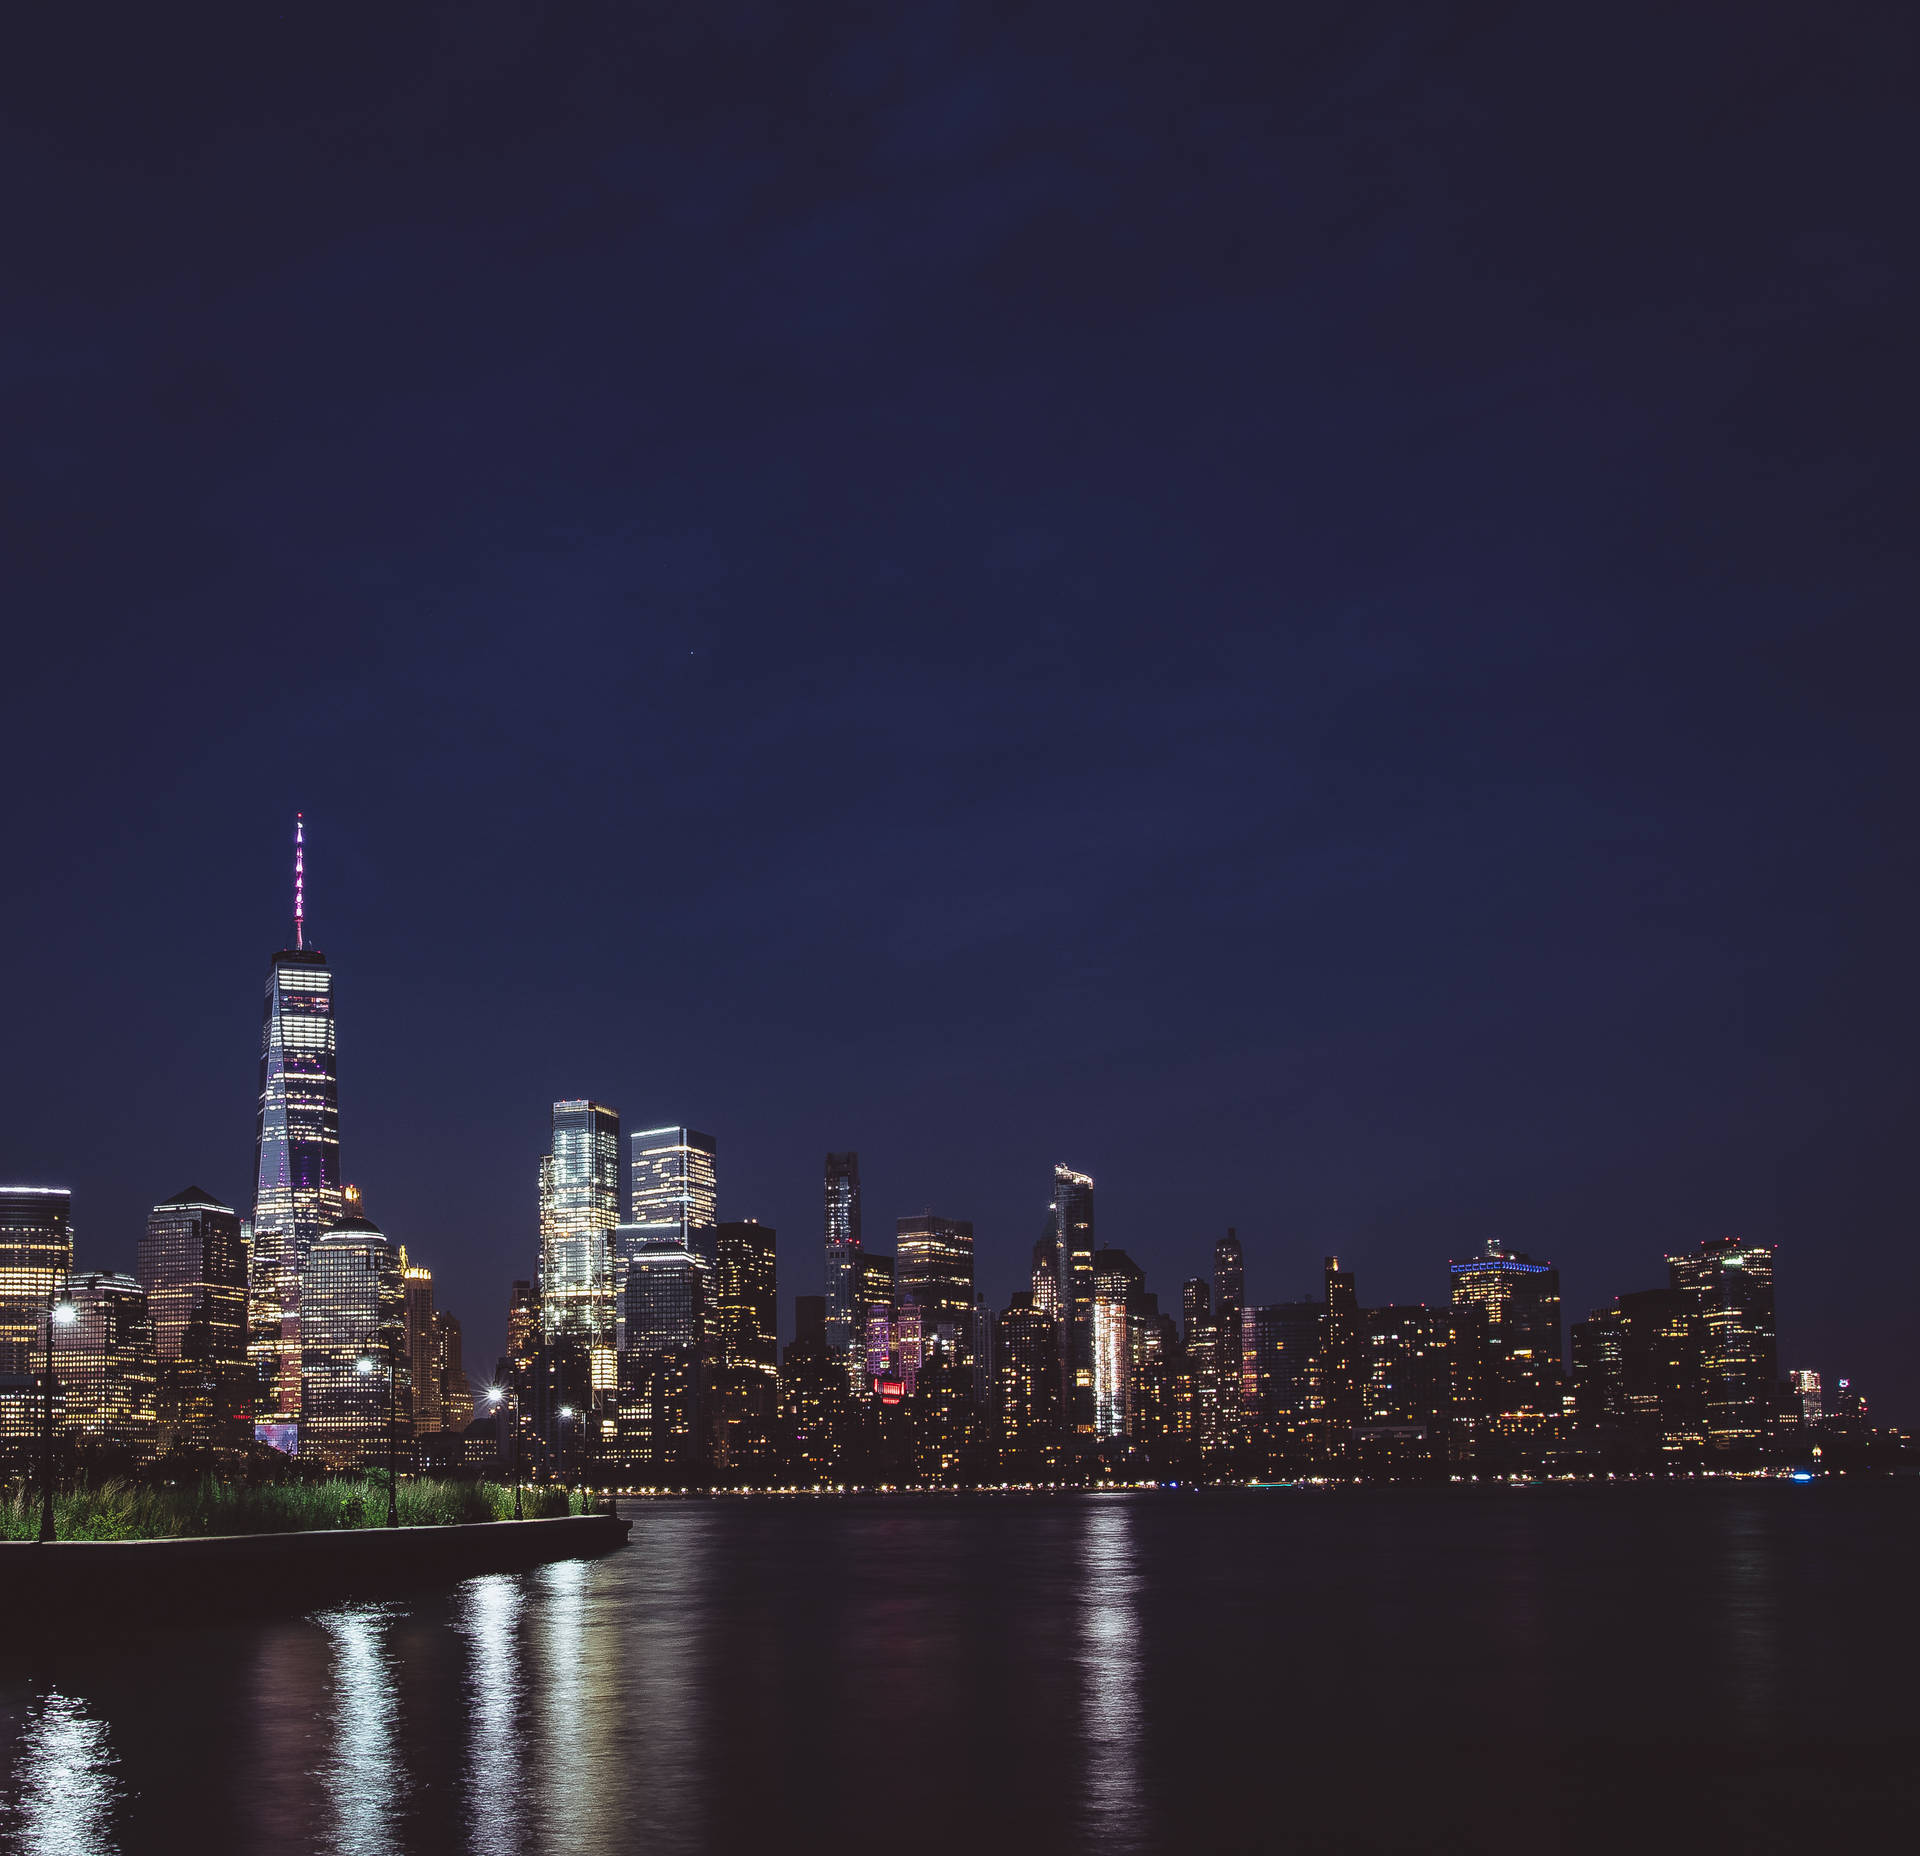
566 1462
366 1364
61 1313
494 1396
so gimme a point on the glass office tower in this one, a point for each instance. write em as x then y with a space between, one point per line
193 1265
353 1308
296 1193
1073 1249
579 1206
1731 1286
934 1272
416 1285
36 1256
103 1361
1519 1304
675 1187
842 1229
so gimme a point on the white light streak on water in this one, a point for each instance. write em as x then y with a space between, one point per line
490 1623
65 1785
1110 1659
364 1779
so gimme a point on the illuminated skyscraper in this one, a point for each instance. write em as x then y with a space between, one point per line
675 1188
523 1334
193 1266
842 1231
1806 1389
666 1363
416 1283
1340 1373
1229 1298
353 1309
875 1305
1027 1391
450 1373
103 1361
1278 1347
36 1256
746 1386
1073 1254
1117 1283
1731 1285
579 1206
745 1296
296 1192
1519 1301
935 1273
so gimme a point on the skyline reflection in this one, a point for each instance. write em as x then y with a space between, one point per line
1110 1664
364 1778
65 1783
489 1622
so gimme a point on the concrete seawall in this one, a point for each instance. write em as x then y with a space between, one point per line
227 1574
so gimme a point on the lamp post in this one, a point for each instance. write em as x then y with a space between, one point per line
61 1313
566 1462
493 1398
366 1364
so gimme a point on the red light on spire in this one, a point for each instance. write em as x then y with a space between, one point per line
299 880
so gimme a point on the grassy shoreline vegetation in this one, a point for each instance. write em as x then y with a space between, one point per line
132 1511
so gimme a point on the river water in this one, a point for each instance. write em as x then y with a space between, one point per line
1696 1667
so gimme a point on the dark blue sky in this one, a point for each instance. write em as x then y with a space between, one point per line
1305 608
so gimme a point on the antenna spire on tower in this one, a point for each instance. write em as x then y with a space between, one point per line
299 880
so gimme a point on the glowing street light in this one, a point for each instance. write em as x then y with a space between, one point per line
61 1313
496 1396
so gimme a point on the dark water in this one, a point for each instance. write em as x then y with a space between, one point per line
1700 1668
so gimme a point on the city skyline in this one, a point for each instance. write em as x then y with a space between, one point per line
1272 604
605 1200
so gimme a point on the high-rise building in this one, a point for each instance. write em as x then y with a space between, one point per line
297 1191
1806 1389
1731 1285
36 1257
1117 1283
352 1338
875 1308
1196 1308
1405 1370
666 1364
1045 1279
450 1373
1073 1272
1027 1391
935 1273
1519 1301
1661 1393
103 1360
675 1189
523 1334
745 1296
1278 1353
1229 1278
416 1284
1340 1372
746 1387
192 1264
579 1206
842 1230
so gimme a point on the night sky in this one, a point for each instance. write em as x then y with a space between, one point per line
1305 608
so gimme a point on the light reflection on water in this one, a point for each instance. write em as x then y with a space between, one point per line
65 1784
489 1620
1110 1659
365 1781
